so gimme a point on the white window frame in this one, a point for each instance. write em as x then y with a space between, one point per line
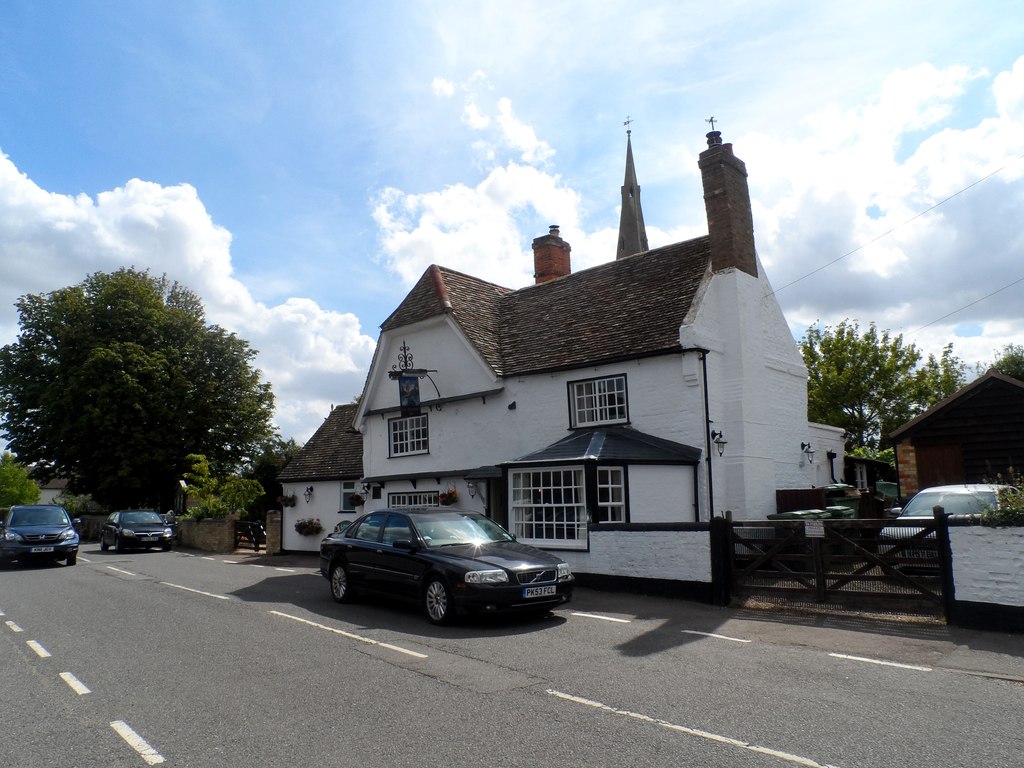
413 499
548 506
611 494
593 402
408 436
348 487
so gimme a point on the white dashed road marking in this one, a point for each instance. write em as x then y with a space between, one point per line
880 661
41 652
136 742
13 627
367 640
196 591
602 618
725 740
121 570
718 637
76 684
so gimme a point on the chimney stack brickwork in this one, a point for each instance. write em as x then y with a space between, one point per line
550 256
727 202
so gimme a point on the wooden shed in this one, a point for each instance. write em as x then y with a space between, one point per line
970 437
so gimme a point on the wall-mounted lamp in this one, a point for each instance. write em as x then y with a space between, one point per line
308 493
366 489
719 441
808 452
471 488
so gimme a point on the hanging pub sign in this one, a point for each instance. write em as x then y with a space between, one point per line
409 395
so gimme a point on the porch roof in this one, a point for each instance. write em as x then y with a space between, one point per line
612 444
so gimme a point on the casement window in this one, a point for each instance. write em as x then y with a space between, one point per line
413 499
598 401
348 487
611 495
548 507
408 435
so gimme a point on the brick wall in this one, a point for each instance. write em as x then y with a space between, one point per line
906 460
209 535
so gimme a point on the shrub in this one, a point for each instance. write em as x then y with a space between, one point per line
1010 510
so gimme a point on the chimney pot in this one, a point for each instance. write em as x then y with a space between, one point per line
715 139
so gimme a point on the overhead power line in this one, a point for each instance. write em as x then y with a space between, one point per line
913 218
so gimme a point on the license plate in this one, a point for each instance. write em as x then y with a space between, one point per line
147 538
41 549
539 591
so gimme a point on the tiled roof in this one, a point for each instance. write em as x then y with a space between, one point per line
621 444
626 308
334 452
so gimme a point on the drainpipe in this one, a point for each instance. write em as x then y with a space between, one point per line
707 432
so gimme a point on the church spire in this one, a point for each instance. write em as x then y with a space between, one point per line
632 233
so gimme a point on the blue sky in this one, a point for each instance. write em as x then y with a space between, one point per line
300 164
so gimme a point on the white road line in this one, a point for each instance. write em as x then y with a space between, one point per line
230 562
197 591
342 632
84 559
2 613
121 570
136 742
724 740
41 652
206 557
286 570
254 565
881 662
76 685
718 637
602 618
13 627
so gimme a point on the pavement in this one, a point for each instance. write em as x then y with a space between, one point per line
903 639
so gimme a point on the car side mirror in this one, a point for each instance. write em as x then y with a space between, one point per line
403 544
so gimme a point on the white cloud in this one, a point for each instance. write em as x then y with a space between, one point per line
312 356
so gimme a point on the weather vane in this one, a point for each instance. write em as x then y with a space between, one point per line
712 121
628 121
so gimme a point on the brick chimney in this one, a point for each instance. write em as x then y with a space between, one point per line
550 256
727 202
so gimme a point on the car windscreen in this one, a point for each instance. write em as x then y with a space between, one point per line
952 503
138 518
467 529
39 516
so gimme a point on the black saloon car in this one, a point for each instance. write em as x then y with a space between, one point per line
445 560
38 531
135 529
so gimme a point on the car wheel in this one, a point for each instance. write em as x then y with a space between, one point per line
341 591
118 546
72 559
437 601
103 543
166 547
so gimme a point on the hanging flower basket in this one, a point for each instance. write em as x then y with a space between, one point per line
448 497
286 501
309 526
355 499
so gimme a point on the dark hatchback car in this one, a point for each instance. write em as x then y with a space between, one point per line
135 529
447 561
38 531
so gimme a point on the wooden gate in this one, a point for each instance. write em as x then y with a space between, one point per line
871 564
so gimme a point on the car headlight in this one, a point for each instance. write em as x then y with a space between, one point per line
564 571
127 532
496 576
68 535
11 536
168 532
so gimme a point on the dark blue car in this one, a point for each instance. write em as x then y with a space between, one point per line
38 531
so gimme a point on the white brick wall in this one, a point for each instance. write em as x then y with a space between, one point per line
677 555
988 564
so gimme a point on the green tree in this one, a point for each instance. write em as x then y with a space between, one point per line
16 485
870 383
114 381
218 496
1010 362
265 466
